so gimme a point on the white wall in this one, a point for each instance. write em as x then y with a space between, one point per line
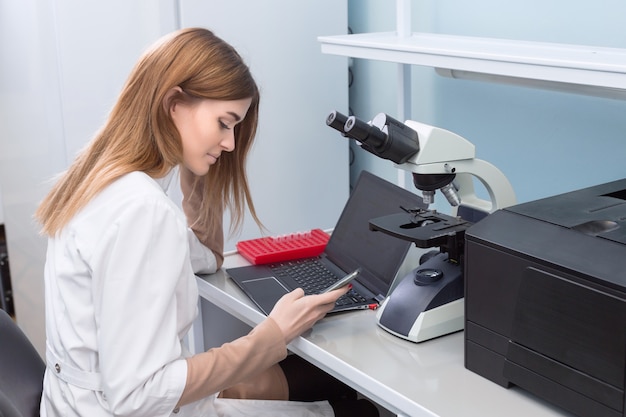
546 142
63 64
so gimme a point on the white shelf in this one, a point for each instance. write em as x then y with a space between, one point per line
593 68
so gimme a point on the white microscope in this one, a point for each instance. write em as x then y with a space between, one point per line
428 302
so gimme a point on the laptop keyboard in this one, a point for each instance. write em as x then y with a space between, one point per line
313 277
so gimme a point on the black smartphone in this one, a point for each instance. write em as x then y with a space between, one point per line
343 281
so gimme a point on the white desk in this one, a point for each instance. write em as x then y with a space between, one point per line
426 379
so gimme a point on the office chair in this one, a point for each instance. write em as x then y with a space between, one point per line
21 372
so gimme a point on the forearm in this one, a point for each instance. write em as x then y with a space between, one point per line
212 371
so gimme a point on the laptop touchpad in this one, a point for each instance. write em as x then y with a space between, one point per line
267 291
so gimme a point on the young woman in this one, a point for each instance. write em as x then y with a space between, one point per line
119 275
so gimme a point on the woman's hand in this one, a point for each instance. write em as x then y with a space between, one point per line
295 313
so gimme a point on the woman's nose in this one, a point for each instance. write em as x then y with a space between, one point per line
228 142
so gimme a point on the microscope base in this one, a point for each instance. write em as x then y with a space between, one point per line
419 310
446 319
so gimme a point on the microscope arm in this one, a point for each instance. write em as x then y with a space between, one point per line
445 152
496 184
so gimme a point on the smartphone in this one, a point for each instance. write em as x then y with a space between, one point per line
343 281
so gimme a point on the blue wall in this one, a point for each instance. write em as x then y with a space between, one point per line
545 142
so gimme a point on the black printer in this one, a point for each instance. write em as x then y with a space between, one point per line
545 299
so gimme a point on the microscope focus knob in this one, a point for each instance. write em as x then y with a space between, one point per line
427 276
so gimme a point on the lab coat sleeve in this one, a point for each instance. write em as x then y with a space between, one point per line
142 275
202 237
203 259
220 368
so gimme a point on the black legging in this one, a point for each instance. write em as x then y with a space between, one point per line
309 383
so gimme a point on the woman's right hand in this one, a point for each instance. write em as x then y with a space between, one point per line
295 313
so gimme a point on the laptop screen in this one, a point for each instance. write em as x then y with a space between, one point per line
352 244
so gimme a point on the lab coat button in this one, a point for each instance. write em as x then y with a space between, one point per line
57 368
176 410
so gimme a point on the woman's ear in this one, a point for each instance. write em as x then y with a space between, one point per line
169 101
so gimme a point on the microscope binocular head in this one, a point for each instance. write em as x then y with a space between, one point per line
384 136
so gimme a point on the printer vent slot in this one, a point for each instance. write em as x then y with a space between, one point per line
621 194
596 227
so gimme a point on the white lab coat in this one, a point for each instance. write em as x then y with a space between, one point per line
120 296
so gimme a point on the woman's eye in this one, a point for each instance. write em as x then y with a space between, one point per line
223 125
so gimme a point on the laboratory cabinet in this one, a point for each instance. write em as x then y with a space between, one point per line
6 292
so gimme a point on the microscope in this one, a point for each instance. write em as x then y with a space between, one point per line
429 301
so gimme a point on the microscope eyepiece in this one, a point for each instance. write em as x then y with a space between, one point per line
350 123
336 120
368 135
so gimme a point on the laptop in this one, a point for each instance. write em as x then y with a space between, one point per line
352 245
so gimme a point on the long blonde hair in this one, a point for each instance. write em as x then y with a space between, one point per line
139 134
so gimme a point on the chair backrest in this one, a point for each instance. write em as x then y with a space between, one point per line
21 371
